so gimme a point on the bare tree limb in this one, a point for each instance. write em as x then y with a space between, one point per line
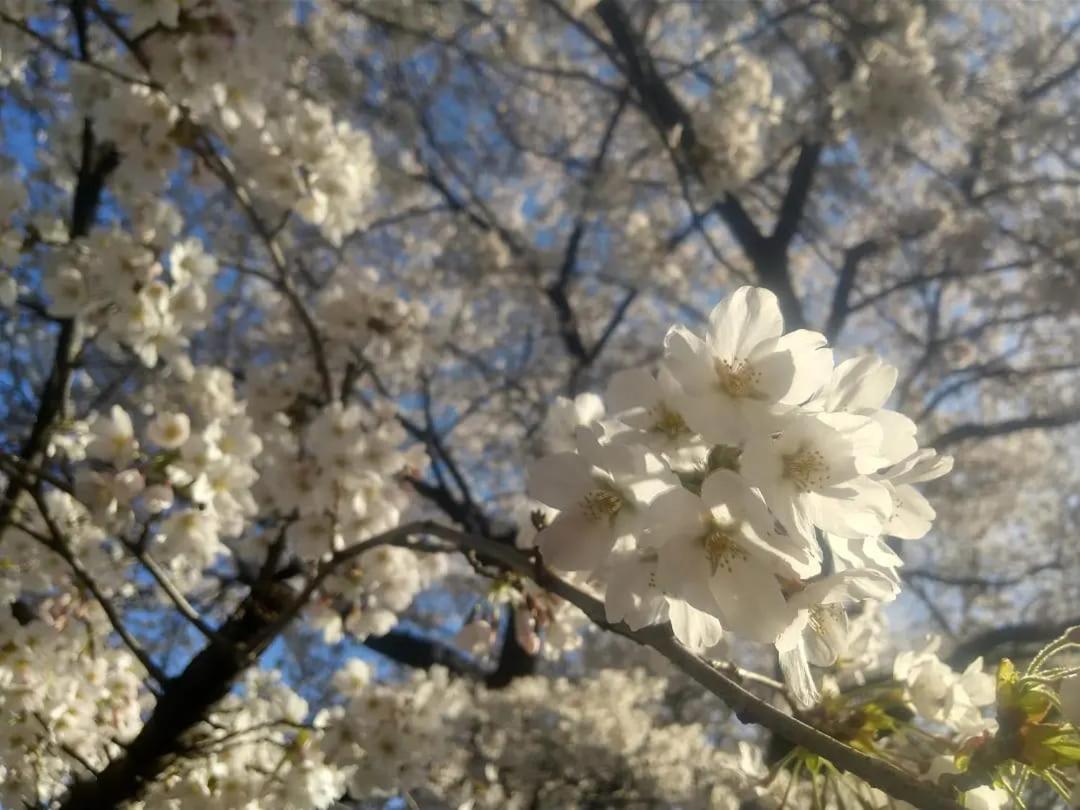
987 430
1026 634
423 653
845 283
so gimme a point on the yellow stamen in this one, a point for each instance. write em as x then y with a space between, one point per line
806 469
602 503
668 422
738 380
721 548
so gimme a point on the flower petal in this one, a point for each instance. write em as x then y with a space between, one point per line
559 480
688 360
575 541
812 363
631 596
696 630
751 603
747 317
912 515
714 415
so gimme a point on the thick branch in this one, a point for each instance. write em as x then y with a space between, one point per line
423 653
986 430
798 191
1026 634
187 698
845 283
184 703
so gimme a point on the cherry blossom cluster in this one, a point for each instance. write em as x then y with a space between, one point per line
175 481
207 77
364 322
12 200
192 471
27 566
710 493
63 709
118 287
892 90
340 477
359 312
731 120
258 749
392 735
940 695
540 742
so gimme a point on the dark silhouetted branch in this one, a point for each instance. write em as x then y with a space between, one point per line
988 430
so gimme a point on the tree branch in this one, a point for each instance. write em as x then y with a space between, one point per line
986 430
423 653
798 191
1022 634
187 698
747 707
769 255
841 307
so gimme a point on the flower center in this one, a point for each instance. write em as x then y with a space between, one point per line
738 380
721 548
602 503
668 422
806 469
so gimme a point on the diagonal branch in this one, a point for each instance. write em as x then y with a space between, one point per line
798 191
747 707
841 306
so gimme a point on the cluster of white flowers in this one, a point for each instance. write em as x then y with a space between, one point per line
337 475
364 322
120 289
892 88
729 124
392 735
540 742
256 750
941 695
29 567
358 313
12 199
63 709
340 476
216 70
187 469
16 48
225 64
708 495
